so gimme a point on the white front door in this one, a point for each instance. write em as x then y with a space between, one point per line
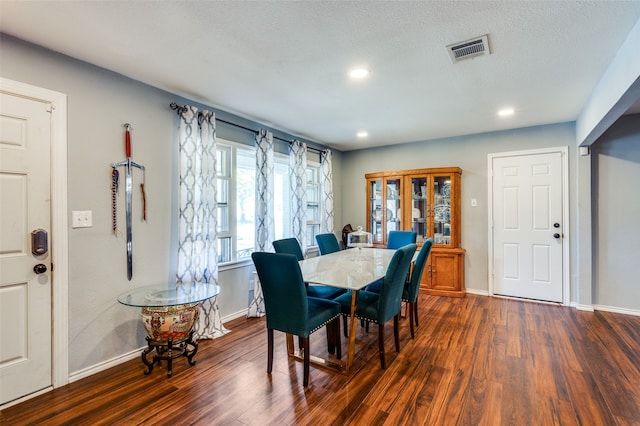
25 295
527 209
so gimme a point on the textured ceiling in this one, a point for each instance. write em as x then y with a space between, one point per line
284 64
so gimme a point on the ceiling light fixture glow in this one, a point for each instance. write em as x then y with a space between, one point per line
359 73
506 112
362 134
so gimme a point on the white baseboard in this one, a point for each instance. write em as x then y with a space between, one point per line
478 292
579 307
86 372
616 310
241 313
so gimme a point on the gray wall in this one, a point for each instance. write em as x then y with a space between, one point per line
99 103
470 154
616 215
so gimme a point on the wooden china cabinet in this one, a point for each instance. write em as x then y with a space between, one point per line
426 201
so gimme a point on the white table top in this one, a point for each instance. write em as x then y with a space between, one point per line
350 269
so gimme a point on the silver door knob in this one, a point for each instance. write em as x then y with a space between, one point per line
40 268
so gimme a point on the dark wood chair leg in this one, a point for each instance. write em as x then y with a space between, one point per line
381 345
396 331
337 342
346 325
305 374
269 350
412 315
331 347
415 312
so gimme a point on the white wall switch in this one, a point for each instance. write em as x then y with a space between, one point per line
474 202
82 219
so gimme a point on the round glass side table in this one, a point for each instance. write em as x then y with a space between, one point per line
169 314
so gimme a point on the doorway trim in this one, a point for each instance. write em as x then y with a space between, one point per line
566 227
59 225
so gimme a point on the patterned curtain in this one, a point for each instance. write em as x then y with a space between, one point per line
197 233
326 186
265 225
298 176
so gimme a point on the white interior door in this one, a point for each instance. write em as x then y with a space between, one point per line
25 295
527 208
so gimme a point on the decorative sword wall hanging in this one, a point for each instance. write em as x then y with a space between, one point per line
128 184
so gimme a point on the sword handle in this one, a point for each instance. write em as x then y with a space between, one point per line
127 138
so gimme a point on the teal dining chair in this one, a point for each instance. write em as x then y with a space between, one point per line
291 246
412 286
288 246
397 239
288 308
381 307
327 243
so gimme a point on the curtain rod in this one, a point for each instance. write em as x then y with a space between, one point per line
179 109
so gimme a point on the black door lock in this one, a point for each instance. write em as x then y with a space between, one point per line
40 268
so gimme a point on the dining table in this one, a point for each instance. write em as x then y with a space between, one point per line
351 269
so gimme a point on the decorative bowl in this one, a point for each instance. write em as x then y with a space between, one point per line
169 322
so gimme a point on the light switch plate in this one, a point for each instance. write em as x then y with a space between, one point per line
82 219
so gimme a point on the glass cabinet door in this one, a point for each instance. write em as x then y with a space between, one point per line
375 211
442 210
419 208
385 212
393 212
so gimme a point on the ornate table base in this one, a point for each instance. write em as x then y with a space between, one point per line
168 351
170 334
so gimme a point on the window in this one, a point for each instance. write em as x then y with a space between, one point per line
236 201
236 191
314 210
245 190
282 197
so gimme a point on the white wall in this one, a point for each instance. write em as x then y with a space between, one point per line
469 153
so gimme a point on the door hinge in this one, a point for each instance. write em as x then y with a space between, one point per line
49 106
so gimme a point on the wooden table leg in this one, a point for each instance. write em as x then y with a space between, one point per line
290 346
351 350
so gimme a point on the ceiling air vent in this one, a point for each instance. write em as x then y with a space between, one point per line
469 49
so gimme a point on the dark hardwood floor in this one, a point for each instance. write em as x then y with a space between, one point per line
475 360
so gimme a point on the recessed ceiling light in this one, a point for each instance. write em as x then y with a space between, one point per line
506 112
362 134
359 73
